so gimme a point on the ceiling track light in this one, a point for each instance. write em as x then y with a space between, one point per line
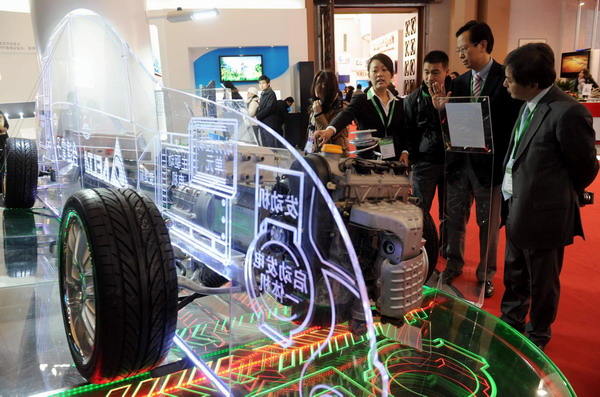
181 15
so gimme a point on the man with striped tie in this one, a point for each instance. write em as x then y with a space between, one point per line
473 176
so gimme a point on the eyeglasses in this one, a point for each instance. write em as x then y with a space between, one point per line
463 50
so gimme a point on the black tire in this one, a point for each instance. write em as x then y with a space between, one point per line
431 242
134 289
19 177
20 243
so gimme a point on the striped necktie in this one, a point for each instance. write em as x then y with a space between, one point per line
476 85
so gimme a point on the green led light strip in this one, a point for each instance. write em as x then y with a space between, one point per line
93 387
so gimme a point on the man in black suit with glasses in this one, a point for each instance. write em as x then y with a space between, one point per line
477 176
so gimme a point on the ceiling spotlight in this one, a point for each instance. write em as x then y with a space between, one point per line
181 15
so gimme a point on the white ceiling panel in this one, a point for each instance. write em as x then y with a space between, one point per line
23 5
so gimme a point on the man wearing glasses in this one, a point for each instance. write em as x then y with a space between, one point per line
469 176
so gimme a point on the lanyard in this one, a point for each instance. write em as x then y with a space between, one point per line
381 116
520 131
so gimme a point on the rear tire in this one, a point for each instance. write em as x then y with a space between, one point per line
19 177
118 283
20 243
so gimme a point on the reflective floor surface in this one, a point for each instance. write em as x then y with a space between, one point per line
33 349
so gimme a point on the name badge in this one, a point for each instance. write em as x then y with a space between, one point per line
308 148
507 182
386 145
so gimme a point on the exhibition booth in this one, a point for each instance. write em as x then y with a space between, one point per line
160 249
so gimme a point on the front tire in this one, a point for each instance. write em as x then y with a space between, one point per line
118 283
19 177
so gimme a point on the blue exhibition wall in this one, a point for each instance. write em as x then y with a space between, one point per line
276 62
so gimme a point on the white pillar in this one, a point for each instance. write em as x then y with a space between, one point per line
578 26
595 27
128 17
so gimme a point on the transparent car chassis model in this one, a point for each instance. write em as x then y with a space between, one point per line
167 204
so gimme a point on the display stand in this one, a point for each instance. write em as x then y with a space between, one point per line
467 134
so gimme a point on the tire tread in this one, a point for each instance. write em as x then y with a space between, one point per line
20 173
136 309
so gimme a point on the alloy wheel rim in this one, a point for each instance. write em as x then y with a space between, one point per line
79 292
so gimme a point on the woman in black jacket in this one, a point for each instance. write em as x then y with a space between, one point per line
379 109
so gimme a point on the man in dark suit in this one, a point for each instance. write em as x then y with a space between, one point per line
283 108
476 175
550 160
267 111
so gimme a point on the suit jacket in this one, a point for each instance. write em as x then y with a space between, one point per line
282 110
267 108
362 109
504 111
555 160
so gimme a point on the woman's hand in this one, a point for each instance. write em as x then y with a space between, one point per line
439 98
321 137
3 130
317 106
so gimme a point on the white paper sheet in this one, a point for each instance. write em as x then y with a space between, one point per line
465 123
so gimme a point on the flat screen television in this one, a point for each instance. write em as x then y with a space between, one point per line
240 68
571 63
363 83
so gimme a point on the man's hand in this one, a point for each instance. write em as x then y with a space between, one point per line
439 98
404 158
321 137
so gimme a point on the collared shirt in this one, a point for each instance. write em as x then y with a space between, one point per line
520 129
386 107
536 99
483 73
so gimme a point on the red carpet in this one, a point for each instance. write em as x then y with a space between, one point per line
574 348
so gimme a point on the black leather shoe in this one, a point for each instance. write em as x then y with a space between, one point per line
450 275
519 327
489 289
541 346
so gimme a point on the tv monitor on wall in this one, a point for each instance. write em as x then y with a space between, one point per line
571 63
240 68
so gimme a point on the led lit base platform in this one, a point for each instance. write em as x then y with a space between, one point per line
447 348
